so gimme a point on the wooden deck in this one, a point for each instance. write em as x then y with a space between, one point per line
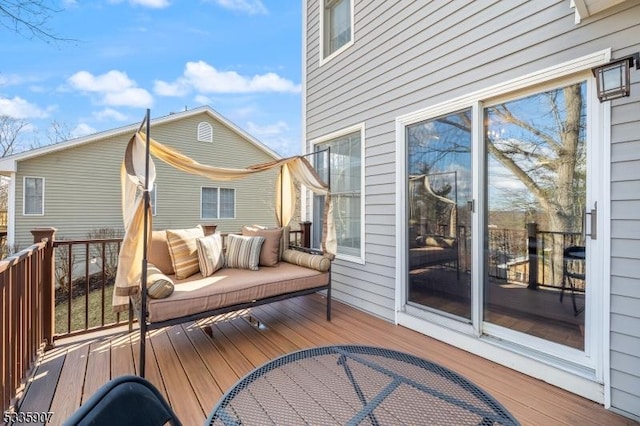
193 364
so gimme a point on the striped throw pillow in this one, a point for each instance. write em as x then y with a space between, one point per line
308 260
243 252
159 286
210 254
184 250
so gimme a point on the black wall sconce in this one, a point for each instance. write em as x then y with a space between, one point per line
613 78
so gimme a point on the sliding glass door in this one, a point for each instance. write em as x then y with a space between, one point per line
535 253
516 167
439 234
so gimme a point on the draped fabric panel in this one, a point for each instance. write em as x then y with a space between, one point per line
133 184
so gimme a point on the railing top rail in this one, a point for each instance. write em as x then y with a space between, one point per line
57 243
21 255
560 233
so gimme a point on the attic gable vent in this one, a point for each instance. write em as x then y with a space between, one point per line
205 132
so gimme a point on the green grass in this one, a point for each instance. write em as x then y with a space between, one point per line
96 306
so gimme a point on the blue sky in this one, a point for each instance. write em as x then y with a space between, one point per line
241 57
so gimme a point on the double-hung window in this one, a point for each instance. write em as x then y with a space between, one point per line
218 203
34 196
337 20
344 162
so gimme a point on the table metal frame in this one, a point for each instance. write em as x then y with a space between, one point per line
347 354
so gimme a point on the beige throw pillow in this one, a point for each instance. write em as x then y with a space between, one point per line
159 252
308 260
243 252
210 254
270 252
183 249
159 286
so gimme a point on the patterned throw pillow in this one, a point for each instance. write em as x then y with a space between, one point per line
270 252
159 286
184 250
308 260
243 252
210 254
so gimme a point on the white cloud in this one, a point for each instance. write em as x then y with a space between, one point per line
110 82
204 78
20 109
10 79
252 7
268 130
163 88
154 4
202 100
115 88
276 136
245 112
110 114
131 97
82 129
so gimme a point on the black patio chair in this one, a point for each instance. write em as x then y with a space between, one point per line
125 400
572 269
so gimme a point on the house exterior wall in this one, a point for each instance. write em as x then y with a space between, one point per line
411 55
82 183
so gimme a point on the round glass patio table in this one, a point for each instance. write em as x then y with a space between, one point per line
353 385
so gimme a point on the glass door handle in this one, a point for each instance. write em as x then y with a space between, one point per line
593 228
471 205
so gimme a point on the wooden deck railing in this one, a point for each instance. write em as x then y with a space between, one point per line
84 278
529 256
25 314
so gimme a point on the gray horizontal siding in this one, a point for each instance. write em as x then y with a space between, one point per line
625 254
82 184
410 55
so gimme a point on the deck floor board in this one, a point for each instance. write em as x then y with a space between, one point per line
193 364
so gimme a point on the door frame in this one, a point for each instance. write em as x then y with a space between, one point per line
583 378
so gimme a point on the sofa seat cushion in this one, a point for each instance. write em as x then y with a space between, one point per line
229 286
426 256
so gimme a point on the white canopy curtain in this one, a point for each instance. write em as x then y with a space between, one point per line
133 183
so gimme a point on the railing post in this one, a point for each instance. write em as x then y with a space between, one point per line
305 227
48 282
209 229
532 239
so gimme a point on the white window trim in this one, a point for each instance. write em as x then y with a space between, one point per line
24 195
235 204
210 139
327 138
576 379
322 59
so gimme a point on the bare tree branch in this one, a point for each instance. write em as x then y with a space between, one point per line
10 131
29 18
